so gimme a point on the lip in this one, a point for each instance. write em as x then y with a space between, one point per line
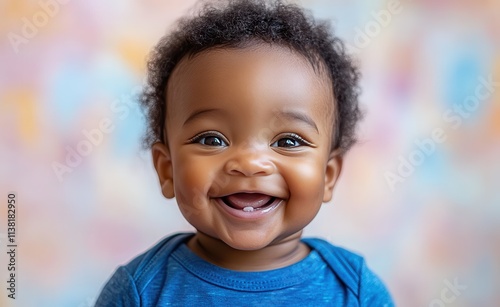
250 215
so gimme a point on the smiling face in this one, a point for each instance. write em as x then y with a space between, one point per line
248 144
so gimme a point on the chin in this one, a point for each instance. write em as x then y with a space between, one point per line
247 242
246 247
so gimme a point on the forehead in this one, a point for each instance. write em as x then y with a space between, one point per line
250 77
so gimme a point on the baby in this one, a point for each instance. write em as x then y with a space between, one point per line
251 107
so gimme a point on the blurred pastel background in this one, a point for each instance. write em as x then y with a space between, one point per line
427 66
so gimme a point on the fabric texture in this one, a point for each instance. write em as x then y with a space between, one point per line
170 274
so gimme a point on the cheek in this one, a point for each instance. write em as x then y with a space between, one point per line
306 181
191 177
192 180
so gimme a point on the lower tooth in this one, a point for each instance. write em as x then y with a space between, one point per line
248 209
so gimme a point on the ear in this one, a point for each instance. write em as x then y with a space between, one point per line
333 169
163 165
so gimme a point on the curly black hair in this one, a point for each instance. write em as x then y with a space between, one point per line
237 23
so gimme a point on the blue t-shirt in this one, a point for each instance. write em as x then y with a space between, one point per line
170 274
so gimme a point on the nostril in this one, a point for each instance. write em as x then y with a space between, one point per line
232 167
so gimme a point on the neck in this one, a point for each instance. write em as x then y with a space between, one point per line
276 255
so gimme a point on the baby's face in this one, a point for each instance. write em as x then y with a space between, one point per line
248 144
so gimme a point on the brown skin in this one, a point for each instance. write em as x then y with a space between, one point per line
247 100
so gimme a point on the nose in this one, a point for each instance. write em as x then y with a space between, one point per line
249 163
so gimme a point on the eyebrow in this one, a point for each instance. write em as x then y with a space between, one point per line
291 115
298 116
198 113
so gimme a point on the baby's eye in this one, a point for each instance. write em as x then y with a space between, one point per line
212 141
290 141
209 139
286 142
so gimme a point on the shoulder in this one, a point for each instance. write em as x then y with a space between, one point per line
129 281
351 269
148 263
343 261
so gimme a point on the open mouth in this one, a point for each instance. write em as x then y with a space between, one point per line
249 202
